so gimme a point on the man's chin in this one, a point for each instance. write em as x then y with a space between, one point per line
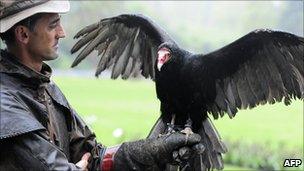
51 57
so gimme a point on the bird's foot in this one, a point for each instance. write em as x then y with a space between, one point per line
188 131
170 130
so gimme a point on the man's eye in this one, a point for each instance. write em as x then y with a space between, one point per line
53 26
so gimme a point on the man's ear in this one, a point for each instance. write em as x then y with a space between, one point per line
22 34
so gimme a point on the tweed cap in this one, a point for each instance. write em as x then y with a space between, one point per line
13 11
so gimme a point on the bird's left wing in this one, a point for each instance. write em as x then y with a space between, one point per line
262 66
127 43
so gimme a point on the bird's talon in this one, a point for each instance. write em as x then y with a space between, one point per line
187 131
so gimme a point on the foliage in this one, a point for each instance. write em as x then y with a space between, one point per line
260 156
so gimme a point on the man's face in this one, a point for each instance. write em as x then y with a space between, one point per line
43 41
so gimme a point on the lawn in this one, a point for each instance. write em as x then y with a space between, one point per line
126 110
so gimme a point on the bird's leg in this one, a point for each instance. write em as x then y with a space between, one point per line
171 125
188 127
170 128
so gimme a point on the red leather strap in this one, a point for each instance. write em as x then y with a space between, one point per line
108 159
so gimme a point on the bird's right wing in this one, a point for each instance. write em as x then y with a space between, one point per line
262 66
127 43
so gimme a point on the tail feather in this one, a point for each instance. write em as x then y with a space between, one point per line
211 157
158 128
214 136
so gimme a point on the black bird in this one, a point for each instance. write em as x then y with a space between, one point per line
262 66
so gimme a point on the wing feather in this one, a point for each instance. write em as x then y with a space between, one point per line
264 66
84 40
220 98
253 85
127 43
235 91
128 68
106 56
87 29
91 46
242 87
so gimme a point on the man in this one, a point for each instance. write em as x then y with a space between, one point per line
38 128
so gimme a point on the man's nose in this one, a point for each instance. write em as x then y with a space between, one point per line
60 32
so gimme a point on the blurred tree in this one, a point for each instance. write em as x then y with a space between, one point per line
292 17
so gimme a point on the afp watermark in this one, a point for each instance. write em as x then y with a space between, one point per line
292 163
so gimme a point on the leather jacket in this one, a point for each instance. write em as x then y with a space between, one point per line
39 130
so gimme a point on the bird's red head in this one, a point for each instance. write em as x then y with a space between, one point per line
164 55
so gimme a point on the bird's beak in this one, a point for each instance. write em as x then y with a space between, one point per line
159 65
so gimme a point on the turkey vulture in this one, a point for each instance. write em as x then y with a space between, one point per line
262 66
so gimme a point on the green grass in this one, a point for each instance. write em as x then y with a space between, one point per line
266 124
233 168
133 106
107 105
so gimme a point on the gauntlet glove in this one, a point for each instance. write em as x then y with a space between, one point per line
154 153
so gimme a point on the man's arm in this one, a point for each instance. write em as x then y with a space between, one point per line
33 152
151 153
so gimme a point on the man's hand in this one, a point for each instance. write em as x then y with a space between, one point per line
156 152
83 163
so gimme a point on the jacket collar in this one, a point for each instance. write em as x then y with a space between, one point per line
9 64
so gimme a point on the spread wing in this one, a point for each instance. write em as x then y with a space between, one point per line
126 43
263 66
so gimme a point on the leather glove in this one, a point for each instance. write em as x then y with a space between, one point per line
183 154
154 154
